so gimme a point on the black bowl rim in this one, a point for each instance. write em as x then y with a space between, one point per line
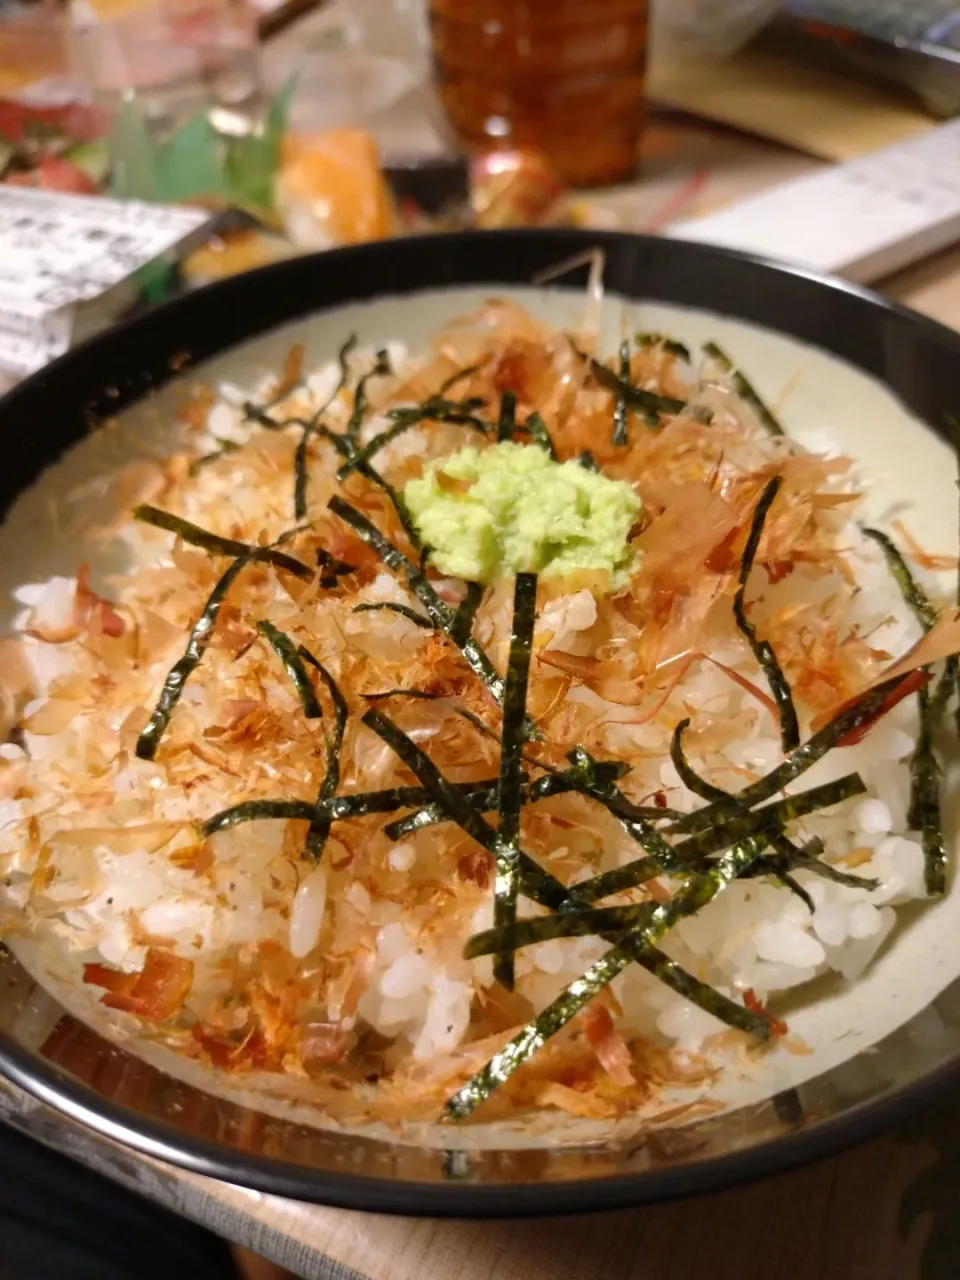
83 1105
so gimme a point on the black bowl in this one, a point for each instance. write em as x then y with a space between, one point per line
102 1086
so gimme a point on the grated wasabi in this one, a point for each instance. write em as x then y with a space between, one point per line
512 509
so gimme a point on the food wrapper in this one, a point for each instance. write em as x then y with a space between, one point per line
515 189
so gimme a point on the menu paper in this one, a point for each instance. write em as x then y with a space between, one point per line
67 264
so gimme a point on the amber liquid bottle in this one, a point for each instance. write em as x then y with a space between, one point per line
563 76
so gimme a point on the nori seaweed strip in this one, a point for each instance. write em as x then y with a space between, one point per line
459 376
255 413
404 610
788 856
440 613
507 422
744 389
254 811
588 461
362 803
688 775
670 345
926 776
953 429
226 447
197 643
535 882
539 433
569 924
695 895
724 832
319 830
607 921
466 612
551 784
217 546
313 428
331 568
647 403
509 799
432 779
913 594
621 412
859 713
286 651
762 650
436 409
380 369
300 473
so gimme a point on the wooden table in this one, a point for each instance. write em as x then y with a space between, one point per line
885 1211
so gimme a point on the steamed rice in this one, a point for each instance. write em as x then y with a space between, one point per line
348 977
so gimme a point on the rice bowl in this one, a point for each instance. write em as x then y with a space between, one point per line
758 936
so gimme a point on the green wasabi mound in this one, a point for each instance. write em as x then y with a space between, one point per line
489 513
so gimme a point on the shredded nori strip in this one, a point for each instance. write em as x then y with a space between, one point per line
537 883
621 411
197 644
226 447
588 461
319 830
534 881
695 895
670 345
509 798
647 403
255 811
537 430
217 546
787 856
466 612
569 924
926 775
762 649
404 610
312 428
331 568
435 409
440 613
745 389
362 803
507 422
551 784
380 369
459 376
913 594
726 831
287 652
860 712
